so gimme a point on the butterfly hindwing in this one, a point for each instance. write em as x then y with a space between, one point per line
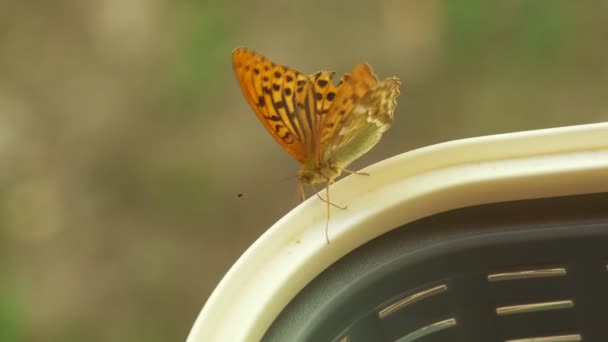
362 111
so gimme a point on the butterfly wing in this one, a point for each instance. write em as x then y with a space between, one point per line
361 112
283 100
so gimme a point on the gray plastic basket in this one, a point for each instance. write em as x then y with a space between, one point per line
533 270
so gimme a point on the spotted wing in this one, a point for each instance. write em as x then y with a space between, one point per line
361 111
282 98
324 94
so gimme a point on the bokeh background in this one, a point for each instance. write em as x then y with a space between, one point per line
124 136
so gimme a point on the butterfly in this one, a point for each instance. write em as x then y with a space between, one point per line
323 126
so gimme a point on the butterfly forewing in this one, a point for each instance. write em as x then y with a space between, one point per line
324 94
325 91
281 98
351 88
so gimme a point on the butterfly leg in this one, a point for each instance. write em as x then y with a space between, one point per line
326 201
332 204
302 192
328 208
355 172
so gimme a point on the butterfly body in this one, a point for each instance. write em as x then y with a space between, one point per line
319 173
335 158
323 126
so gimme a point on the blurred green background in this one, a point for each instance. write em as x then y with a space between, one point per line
124 136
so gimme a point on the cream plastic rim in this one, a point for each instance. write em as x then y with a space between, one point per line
456 174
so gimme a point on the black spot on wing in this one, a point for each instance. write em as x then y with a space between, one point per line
261 101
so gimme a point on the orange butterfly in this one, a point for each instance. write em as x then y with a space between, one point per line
324 126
